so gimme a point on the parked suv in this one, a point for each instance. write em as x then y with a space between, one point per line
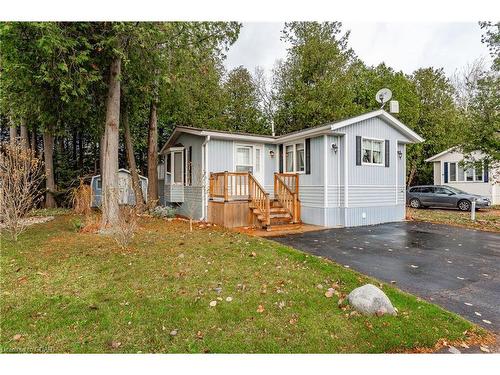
443 196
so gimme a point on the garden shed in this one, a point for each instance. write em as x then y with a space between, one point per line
126 192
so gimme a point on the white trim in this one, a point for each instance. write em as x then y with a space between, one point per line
346 174
432 158
370 164
325 176
294 158
306 133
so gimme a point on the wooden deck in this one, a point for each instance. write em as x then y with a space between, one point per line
236 199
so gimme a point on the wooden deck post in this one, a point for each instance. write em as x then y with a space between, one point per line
250 192
211 186
268 210
275 184
226 194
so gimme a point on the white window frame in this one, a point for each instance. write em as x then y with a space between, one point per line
252 155
172 152
382 151
294 156
457 180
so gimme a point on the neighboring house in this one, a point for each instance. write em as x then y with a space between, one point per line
481 179
345 173
125 190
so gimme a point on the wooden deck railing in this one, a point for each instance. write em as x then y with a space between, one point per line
259 199
286 191
229 186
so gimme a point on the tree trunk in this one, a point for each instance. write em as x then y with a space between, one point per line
129 147
12 133
33 144
81 151
152 157
24 134
109 174
48 153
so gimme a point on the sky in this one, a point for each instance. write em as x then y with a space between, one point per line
403 46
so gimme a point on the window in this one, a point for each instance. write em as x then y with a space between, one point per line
300 159
372 151
289 158
469 174
441 190
178 167
479 171
99 183
453 171
257 160
295 158
244 159
460 173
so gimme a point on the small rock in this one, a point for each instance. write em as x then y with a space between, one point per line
370 300
218 290
453 350
173 332
319 286
486 321
213 303
413 266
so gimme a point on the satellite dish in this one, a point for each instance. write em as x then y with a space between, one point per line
383 96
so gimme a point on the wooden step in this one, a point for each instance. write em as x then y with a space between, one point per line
283 227
278 210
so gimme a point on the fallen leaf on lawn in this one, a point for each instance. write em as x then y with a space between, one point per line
369 325
199 335
115 344
253 254
229 299
260 309
484 349
319 286
281 304
173 332
213 303
293 321
329 293
340 302
17 337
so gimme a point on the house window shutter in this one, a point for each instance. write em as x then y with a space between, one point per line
308 155
281 158
486 175
185 162
446 172
358 150
387 153
190 165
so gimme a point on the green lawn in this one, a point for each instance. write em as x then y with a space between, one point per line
488 219
63 291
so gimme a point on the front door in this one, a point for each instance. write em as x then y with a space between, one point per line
250 158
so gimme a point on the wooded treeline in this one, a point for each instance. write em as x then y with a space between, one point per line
90 97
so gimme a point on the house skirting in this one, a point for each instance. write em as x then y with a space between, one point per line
352 216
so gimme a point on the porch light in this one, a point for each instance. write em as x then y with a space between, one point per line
400 154
271 153
335 148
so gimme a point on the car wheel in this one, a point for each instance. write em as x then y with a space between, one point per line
415 203
464 205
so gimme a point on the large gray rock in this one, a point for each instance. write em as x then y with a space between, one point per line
370 300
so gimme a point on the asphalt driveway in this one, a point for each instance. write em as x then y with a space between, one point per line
454 267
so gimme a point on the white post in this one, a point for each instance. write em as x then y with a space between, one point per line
473 210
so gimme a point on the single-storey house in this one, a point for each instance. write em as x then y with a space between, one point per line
125 190
482 179
345 173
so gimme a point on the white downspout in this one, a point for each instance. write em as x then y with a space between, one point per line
325 182
346 173
204 162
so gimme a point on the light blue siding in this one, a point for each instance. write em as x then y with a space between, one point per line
220 155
